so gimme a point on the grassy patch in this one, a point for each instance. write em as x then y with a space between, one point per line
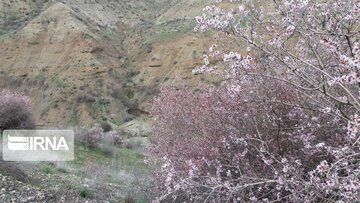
39 77
85 155
99 108
62 170
173 29
48 168
117 166
33 42
130 159
74 118
141 200
58 83
85 192
47 107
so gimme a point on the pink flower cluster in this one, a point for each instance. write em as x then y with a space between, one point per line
15 111
7 98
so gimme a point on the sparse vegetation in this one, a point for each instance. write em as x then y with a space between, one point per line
85 192
99 108
172 29
58 83
48 169
33 42
74 119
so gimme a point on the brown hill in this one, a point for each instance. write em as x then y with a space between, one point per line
86 61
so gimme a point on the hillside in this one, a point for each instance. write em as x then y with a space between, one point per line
86 61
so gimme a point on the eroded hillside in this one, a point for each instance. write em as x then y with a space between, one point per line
87 61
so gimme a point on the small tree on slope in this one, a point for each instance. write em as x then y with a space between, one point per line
15 111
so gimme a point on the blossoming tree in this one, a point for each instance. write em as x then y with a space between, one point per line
284 124
15 111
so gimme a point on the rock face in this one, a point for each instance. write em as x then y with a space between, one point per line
86 61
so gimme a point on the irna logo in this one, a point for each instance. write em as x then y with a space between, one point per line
38 145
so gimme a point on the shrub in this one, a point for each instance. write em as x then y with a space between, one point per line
85 192
85 97
106 127
48 170
90 137
133 144
114 138
15 111
93 137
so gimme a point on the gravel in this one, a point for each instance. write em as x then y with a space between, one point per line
14 191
